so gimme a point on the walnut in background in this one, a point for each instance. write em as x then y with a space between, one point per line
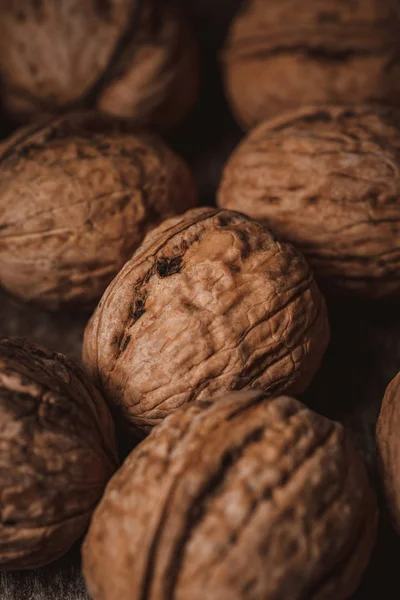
282 54
327 179
57 451
244 498
130 58
210 302
77 196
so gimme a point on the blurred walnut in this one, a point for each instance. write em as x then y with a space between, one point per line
57 451
327 179
244 498
77 196
209 303
130 58
282 54
388 443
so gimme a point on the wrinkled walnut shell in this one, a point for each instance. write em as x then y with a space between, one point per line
244 498
209 303
283 54
77 196
327 179
388 446
133 59
57 452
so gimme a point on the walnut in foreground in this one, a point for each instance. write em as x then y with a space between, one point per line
132 59
327 179
77 196
57 452
210 302
388 446
244 498
283 54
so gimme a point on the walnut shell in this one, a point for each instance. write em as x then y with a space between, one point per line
57 451
246 498
388 446
77 196
328 181
130 58
283 54
209 303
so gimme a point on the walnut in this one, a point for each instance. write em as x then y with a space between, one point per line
209 303
57 451
130 58
387 438
77 196
283 54
246 498
328 181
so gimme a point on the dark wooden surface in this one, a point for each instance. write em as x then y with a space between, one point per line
363 356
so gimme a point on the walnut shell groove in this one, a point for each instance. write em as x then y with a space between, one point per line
57 452
246 498
77 196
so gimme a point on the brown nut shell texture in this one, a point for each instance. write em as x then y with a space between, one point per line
388 447
133 59
284 54
246 498
209 303
327 179
77 196
57 452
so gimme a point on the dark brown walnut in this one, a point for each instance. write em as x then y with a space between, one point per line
77 196
57 452
247 498
283 54
327 179
130 58
210 302
388 446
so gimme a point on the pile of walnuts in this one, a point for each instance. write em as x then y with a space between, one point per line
209 320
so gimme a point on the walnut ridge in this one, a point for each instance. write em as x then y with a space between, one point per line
210 302
247 498
129 58
283 54
327 179
387 439
57 451
77 196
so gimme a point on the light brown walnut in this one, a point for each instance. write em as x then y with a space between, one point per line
327 179
77 196
129 58
388 445
284 54
248 498
210 302
57 452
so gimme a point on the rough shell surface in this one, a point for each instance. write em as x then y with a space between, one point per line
246 498
327 179
57 452
77 196
130 58
209 303
283 54
388 445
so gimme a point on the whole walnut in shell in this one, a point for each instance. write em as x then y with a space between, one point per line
210 302
77 196
283 54
328 181
247 498
57 451
388 445
129 58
